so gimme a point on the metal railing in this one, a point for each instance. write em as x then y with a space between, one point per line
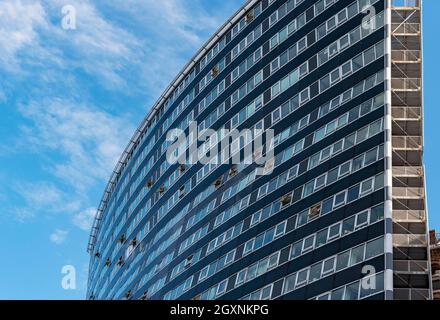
408 193
409 113
405 28
409 240
410 266
411 294
407 142
408 215
404 171
406 55
406 84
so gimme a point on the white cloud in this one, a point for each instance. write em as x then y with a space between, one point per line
42 196
84 219
19 22
58 236
89 140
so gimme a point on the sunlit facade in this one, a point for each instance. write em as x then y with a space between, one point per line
342 215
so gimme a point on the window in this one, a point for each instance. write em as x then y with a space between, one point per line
328 266
279 230
222 287
337 147
366 186
357 255
266 292
357 163
338 294
325 154
344 169
308 188
377 213
259 241
273 260
315 272
343 260
302 277
321 238
334 231
374 248
240 277
339 199
319 135
361 219
262 266
255 218
353 193
296 250
289 284
352 291
327 206
346 68
348 226
308 243
302 218
248 246
252 272
203 273
332 176
230 257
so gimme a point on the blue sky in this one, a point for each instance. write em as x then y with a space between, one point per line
71 99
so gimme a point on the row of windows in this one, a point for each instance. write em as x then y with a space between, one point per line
240 92
318 210
341 171
282 59
256 11
299 146
368 134
179 109
254 110
337 75
301 247
322 269
356 290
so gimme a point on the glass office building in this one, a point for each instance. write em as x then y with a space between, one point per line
341 215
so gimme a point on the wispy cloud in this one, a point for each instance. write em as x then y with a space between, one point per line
70 87
89 140
58 236
84 219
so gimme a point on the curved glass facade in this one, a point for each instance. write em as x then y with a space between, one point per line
317 223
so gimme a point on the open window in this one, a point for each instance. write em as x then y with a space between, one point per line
108 262
150 183
218 183
161 189
122 238
188 261
315 211
144 296
285 200
181 191
249 16
98 254
120 261
129 294
233 172
182 168
215 71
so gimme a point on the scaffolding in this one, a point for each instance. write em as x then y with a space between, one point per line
411 256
